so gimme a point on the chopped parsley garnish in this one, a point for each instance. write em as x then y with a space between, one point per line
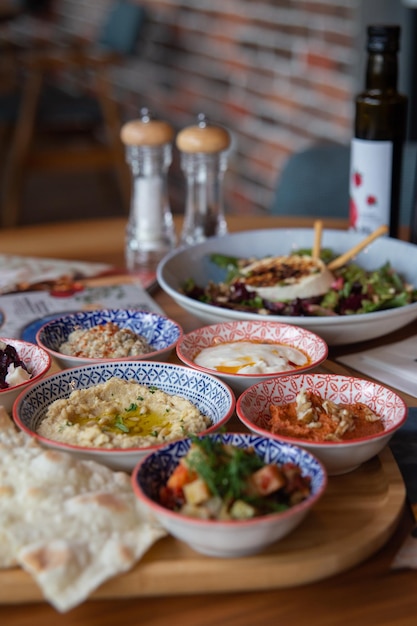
224 469
217 480
119 423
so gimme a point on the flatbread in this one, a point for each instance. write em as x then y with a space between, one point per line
70 523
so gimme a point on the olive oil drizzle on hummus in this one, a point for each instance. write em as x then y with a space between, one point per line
132 422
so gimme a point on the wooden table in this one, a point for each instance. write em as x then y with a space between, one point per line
369 594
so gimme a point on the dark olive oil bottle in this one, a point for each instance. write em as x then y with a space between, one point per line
379 135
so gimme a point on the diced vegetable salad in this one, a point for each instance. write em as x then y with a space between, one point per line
223 482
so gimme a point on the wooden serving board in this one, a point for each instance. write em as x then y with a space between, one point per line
355 517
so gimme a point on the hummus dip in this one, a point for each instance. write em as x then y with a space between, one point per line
121 414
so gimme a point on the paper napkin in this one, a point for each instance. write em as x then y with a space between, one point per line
394 364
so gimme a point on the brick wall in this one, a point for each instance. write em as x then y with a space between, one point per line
279 74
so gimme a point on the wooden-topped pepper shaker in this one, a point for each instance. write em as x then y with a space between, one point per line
203 149
150 230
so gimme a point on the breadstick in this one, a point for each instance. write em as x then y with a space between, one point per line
346 256
318 227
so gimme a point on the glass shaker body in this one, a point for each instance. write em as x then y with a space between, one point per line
204 210
150 231
204 149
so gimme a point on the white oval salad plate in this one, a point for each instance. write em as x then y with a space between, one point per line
195 263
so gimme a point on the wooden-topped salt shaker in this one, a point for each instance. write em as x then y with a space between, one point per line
203 149
150 230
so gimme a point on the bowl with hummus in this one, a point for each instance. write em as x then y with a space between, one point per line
116 412
343 420
245 352
21 364
275 274
229 494
86 337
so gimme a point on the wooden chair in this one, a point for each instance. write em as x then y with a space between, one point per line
66 116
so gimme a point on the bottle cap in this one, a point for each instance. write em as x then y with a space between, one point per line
383 38
203 137
146 131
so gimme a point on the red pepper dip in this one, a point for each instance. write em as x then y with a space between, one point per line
312 418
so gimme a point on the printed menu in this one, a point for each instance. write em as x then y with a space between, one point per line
36 290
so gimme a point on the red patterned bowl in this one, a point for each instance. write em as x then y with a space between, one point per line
246 348
339 457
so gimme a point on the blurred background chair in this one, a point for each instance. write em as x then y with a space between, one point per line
315 182
64 117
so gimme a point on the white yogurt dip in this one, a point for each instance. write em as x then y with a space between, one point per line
251 357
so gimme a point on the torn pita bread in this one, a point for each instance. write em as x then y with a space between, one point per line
72 524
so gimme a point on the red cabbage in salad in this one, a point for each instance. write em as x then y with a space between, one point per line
353 291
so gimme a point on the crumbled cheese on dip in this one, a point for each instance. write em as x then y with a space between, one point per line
251 357
17 375
105 341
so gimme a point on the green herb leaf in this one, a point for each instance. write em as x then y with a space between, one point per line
224 469
119 423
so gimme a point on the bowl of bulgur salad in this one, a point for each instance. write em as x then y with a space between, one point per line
86 337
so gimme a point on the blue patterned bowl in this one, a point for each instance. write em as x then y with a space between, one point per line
159 331
211 396
227 538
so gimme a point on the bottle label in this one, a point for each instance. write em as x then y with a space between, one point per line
370 184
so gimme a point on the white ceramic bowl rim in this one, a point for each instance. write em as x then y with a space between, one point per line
307 442
256 521
19 345
107 451
76 359
189 337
